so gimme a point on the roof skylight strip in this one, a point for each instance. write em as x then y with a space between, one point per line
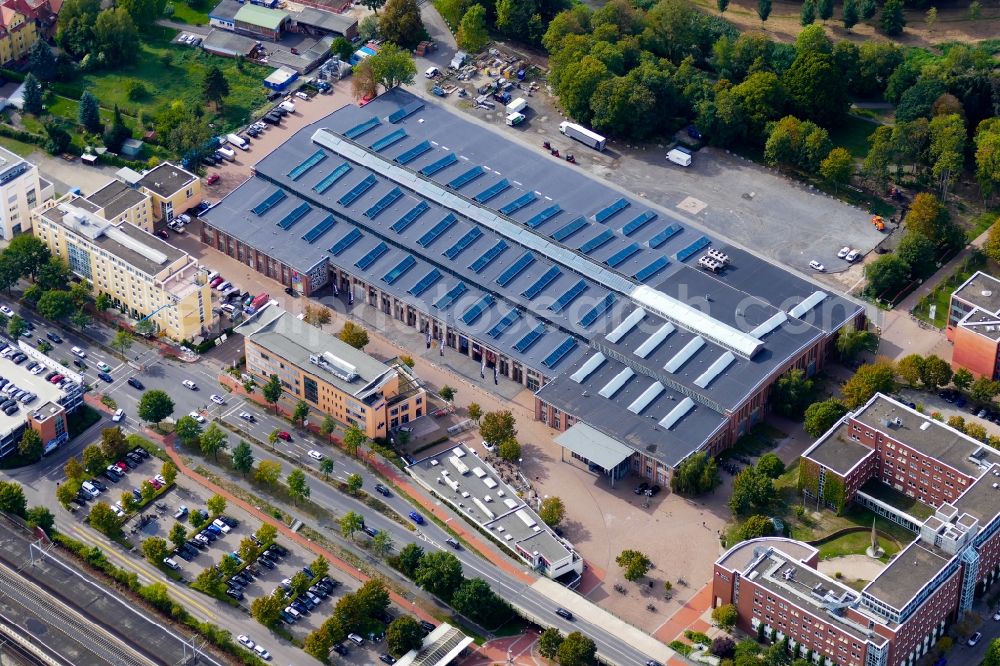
547 278
518 203
309 163
338 173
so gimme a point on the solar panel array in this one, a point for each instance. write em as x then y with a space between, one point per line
314 234
505 323
564 232
400 269
606 214
451 296
411 216
390 198
484 260
542 217
425 283
435 232
373 255
470 237
270 202
352 237
516 269
309 163
414 153
361 128
358 190
492 191
473 314
294 216
388 140
467 177
327 182
518 203
405 111
442 163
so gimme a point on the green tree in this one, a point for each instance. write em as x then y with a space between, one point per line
268 472
178 535
962 379
301 412
697 474
497 427
807 15
400 23
983 390
213 440
16 327
31 446
155 549
243 458
948 137
73 469
216 504
909 368
103 302
476 412
66 492
447 393
215 87
771 465
753 492
187 430
452 11
89 114
551 638
725 616
993 653
513 18
354 483
918 253
391 67
763 9
298 486
117 133
439 573
887 276
327 427
318 643
816 89
792 393
326 467
114 444
123 341
267 533
104 520
267 609
350 523
754 527
936 372
509 450
820 416
402 635
825 9
93 460
42 62
144 12
272 392
373 5
342 48
868 9
76 21
58 139
28 255
116 36
381 544
354 438
147 490
476 600
409 559
155 405
40 516
33 102
473 34
12 499
353 335
870 378
552 511
634 564
197 519
56 305
837 167
576 649
893 19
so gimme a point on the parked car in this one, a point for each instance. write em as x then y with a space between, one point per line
135 383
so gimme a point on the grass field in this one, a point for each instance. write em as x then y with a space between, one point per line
185 13
855 543
894 498
941 295
853 135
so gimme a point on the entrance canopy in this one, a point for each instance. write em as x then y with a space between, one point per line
592 444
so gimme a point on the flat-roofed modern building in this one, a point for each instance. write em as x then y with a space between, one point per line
974 326
117 202
21 189
908 468
144 276
329 374
171 189
618 313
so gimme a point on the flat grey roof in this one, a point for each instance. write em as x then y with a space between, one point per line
982 322
837 451
226 10
339 23
935 439
166 179
115 198
594 445
982 500
295 341
908 572
224 41
981 290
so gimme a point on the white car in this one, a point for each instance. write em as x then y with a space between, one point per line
38 369
853 256
247 416
489 447
217 399
119 415
302 95
197 417
816 266
187 383
183 217
6 310
79 352
104 366
844 251
431 72
262 653
315 455
245 641
996 616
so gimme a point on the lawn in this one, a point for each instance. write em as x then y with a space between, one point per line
896 499
180 81
18 147
856 543
185 13
941 295
853 135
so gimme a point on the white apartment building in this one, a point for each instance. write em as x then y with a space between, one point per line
21 190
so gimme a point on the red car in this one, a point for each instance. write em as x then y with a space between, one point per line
156 484
213 179
285 436
365 100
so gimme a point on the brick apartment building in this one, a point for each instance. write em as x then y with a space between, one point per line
874 457
974 326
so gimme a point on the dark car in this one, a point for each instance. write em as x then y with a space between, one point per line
265 562
641 488
232 522
340 649
135 383
387 658
113 477
427 626
454 544
235 594
652 490
563 613
271 119
106 377
307 571
382 490
280 111
273 95
370 531
78 363
281 550
137 495
197 544
53 337
185 555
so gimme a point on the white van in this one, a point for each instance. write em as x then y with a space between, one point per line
211 276
222 526
431 72
228 153
514 119
288 106
354 638
679 157
238 141
90 489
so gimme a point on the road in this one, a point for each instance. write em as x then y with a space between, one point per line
160 373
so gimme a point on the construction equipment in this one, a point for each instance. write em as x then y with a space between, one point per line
878 222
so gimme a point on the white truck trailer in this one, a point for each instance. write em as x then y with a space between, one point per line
583 135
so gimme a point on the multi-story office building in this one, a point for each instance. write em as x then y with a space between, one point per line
908 468
21 189
330 375
974 326
663 340
171 189
117 202
145 277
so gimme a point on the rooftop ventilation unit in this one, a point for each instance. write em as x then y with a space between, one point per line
337 366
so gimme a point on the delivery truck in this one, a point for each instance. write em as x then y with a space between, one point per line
515 119
583 135
517 106
679 157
